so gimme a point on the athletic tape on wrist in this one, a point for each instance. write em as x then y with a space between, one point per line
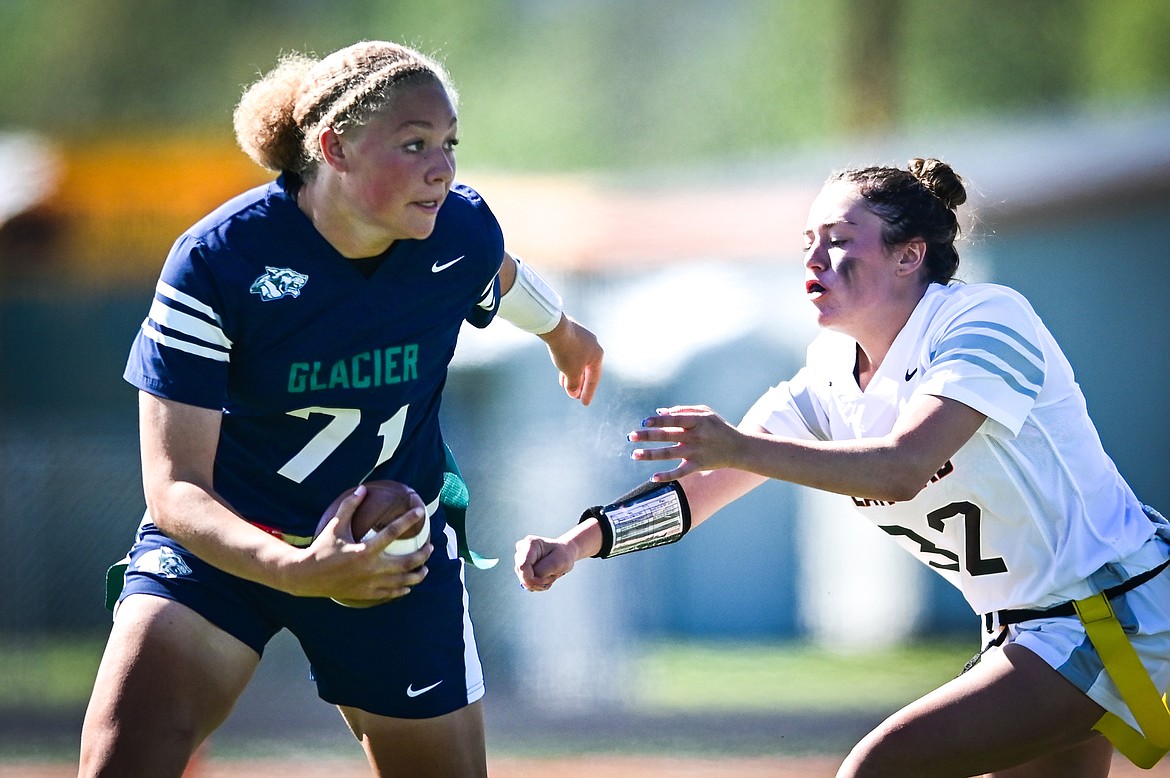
652 515
531 304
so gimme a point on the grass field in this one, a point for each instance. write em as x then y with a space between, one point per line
48 673
698 710
677 676
791 677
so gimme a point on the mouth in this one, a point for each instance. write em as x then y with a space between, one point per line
429 205
813 288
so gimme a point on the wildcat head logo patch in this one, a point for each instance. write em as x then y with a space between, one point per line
279 282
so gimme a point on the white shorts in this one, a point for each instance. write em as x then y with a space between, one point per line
1144 614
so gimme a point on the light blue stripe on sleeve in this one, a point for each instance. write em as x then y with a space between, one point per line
995 326
995 369
1014 359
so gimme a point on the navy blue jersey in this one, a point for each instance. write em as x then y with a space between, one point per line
324 377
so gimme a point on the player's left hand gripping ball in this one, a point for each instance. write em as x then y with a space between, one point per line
384 502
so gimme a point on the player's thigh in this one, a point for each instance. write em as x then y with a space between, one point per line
168 677
450 745
1009 709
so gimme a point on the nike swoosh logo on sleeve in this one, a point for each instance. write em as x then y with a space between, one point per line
440 267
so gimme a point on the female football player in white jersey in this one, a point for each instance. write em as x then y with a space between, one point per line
296 346
951 418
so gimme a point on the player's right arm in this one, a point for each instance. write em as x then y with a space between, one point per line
540 561
179 443
528 302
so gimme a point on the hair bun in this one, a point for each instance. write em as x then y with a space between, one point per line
940 180
265 120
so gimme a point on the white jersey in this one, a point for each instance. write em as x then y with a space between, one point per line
1031 506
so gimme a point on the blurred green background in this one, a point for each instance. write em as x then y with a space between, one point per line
596 84
115 134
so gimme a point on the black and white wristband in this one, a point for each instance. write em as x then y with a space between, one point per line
654 514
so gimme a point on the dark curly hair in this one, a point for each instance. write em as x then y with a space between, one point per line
279 117
916 202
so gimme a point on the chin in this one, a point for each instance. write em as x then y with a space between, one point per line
419 231
828 322
823 317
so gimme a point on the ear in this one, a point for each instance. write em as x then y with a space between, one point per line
332 148
912 256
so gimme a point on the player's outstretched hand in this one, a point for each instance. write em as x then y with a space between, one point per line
577 354
541 561
697 435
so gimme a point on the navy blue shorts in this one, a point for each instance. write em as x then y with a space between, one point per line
413 657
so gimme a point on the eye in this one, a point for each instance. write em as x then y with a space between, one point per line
413 146
837 242
451 144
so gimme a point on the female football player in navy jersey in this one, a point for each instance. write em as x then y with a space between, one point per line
951 417
297 345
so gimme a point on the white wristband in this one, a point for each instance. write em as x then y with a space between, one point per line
531 304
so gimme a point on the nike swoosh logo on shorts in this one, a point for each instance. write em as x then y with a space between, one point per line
413 692
440 267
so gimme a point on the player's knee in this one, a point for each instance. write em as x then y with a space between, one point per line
117 752
883 753
128 736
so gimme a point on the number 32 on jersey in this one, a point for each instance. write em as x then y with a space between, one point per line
947 559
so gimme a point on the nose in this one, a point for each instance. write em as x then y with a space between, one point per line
816 257
442 167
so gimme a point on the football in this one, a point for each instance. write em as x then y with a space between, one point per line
384 502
